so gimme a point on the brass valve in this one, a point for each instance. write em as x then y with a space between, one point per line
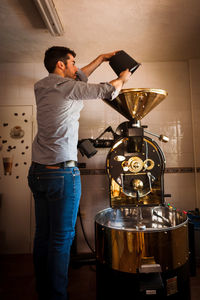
137 185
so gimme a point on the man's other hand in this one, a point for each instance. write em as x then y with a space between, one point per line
125 75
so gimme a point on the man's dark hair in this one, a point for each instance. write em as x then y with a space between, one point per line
54 54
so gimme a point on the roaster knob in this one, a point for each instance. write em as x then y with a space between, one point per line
163 138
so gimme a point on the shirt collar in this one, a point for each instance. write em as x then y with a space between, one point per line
53 75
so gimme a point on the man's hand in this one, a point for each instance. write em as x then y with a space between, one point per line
107 56
95 63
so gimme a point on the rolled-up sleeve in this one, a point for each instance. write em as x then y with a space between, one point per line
86 91
80 90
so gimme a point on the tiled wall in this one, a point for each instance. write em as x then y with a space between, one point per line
177 117
16 95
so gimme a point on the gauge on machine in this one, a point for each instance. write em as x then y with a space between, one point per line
149 164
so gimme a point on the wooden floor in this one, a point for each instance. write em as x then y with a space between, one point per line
17 280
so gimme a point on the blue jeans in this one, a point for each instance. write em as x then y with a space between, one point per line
57 194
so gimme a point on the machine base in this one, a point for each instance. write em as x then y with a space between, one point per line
171 285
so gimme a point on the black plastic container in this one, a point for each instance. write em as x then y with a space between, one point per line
194 219
122 61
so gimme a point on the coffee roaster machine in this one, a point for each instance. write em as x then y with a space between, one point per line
141 242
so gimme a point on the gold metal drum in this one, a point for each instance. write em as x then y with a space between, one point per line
127 238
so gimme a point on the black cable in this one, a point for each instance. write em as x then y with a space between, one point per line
84 234
109 129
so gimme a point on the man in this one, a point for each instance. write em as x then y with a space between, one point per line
53 176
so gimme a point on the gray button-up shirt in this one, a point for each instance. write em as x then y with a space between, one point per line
59 102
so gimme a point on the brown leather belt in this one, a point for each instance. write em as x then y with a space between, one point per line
61 165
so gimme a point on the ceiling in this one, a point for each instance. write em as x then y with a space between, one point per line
148 30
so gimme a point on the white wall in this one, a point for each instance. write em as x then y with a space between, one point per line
177 117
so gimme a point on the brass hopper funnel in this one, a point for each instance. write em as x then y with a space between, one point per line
136 103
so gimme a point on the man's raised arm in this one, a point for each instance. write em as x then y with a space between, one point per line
97 62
